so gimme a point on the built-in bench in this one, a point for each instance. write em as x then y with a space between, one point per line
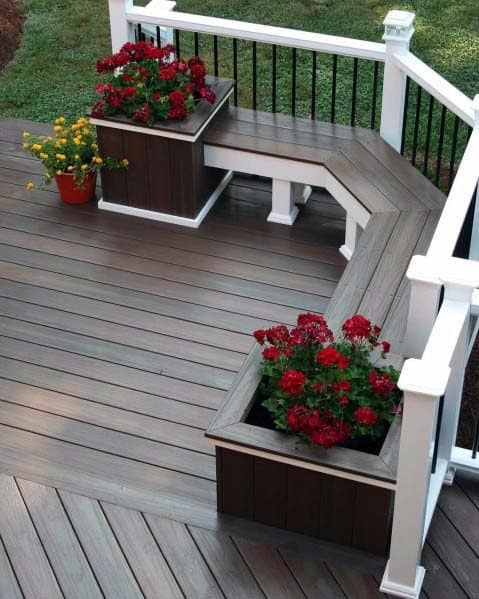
391 208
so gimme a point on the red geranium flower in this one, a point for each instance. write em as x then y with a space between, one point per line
292 382
277 334
260 336
357 327
176 98
386 346
328 356
317 387
271 353
381 382
344 400
365 416
177 113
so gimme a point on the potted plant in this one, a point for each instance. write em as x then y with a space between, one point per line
153 109
306 439
71 157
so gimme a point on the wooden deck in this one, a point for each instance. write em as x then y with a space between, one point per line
120 339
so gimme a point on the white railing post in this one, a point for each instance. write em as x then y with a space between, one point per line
422 384
423 305
398 30
121 31
474 248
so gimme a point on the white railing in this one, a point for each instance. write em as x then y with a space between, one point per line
437 342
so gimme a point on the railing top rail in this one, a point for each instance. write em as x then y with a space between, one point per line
436 85
280 36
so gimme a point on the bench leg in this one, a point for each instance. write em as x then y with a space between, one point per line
284 209
301 193
352 235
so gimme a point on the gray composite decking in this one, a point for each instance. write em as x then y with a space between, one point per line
119 341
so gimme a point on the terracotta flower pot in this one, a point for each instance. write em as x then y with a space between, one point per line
71 194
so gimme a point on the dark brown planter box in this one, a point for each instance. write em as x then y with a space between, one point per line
166 178
339 495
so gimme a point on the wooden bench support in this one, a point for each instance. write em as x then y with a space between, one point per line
284 210
352 235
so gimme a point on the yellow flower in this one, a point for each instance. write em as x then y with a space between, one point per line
98 160
76 141
49 138
30 186
26 134
77 156
94 146
75 127
84 167
43 156
60 156
125 162
60 120
25 146
70 168
36 147
59 172
57 128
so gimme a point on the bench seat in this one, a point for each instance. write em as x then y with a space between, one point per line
382 193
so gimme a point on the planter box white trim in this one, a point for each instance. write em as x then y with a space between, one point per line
170 218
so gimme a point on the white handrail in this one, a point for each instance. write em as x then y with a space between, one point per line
280 36
454 213
436 85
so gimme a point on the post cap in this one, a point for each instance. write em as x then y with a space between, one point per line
398 25
424 269
424 378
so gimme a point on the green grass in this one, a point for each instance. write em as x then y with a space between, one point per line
53 71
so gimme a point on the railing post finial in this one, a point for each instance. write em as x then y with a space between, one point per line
398 31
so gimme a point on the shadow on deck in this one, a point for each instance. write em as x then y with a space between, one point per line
120 338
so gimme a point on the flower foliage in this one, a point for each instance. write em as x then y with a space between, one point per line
328 390
148 85
72 149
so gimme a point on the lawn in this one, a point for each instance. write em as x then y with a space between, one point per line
53 71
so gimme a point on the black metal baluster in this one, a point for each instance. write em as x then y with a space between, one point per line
273 81
293 81
139 32
374 95
197 43
254 75
438 434
177 43
235 70
333 89
452 159
416 124
215 55
158 36
313 86
475 443
440 145
404 117
427 146
354 92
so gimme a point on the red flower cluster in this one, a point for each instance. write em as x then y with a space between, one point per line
292 382
357 327
322 428
381 382
332 357
271 353
151 76
365 416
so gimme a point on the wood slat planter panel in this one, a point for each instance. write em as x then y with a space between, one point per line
312 503
166 172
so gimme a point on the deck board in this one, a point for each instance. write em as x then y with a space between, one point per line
120 338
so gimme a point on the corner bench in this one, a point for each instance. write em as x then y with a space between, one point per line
398 210
391 208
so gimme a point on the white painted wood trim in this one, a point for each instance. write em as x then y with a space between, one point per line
301 464
121 31
461 459
283 210
281 36
160 132
351 237
169 218
400 590
435 486
436 85
302 193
